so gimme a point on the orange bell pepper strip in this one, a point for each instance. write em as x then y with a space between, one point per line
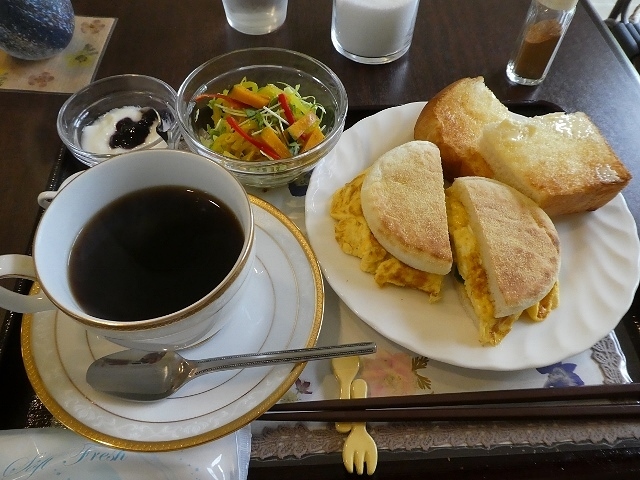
271 138
313 138
303 124
254 141
244 95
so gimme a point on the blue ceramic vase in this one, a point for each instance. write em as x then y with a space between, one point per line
35 29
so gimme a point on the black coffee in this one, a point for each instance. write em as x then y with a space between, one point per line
153 252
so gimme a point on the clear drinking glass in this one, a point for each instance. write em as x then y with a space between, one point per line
373 31
255 17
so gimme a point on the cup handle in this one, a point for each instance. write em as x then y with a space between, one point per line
21 266
45 198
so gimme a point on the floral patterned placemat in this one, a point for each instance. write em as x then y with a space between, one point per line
67 72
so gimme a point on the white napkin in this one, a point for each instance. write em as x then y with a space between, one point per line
46 453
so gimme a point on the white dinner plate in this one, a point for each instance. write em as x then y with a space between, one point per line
282 309
598 278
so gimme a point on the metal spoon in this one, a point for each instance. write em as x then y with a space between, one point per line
146 376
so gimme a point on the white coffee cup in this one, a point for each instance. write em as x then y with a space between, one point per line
69 209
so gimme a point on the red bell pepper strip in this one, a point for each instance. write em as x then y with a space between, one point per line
282 98
232 101
260 145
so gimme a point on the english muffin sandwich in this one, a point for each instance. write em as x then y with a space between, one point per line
393 217
507 253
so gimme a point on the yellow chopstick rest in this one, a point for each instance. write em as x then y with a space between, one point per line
359 448
345 370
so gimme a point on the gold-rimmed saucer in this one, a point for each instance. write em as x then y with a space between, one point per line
283 309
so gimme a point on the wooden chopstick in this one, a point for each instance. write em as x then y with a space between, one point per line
488 405
503 412
587 392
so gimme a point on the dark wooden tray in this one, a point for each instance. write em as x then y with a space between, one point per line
20 407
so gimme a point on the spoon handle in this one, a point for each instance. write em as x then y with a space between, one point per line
281 356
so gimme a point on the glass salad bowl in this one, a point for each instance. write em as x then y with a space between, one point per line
230 107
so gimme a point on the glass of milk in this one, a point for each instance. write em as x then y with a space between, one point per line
255 17
373 31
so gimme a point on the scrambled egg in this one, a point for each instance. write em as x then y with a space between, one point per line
354 237
540 310
469 264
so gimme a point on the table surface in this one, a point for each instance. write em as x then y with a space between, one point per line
453 39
